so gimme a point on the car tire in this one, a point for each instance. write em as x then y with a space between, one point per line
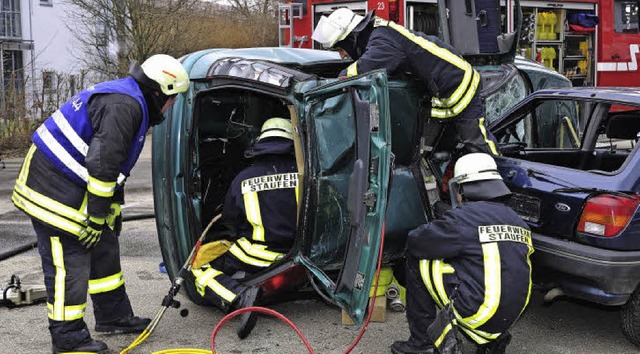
630 318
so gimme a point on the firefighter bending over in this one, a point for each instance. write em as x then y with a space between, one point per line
473 264
453 84
71 185
260 212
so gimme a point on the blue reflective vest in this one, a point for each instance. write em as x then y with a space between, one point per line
65 136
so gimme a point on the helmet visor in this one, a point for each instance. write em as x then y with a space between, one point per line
454 189
327 32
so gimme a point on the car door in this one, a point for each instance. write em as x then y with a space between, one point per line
348 145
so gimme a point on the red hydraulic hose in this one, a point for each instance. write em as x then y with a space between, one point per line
288 322
257 309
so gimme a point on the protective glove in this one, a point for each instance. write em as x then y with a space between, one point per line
114 219
92 233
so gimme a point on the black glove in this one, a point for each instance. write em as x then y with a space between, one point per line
92 233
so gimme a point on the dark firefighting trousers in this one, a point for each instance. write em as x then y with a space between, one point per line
220 282
470 126
422 307
70 271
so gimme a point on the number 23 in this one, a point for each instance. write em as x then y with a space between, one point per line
380 6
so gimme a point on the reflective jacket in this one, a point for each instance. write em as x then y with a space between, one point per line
261 203
81 154
65 136
451 80
485 247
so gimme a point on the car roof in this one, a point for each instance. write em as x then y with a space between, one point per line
198 63
622 94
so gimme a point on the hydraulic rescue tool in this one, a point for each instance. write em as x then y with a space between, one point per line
15 294
168 300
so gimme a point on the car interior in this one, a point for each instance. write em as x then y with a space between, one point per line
576 134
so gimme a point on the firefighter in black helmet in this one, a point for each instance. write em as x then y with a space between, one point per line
71 185
259 213
452 82
473 264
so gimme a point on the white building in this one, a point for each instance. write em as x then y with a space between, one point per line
37 51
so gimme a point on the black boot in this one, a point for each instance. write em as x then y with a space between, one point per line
403 347
497 346
88 345
129 324
247 298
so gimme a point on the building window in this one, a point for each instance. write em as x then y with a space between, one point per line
48 82
46 2
626 16
10 25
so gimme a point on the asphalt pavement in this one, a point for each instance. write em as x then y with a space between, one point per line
565 327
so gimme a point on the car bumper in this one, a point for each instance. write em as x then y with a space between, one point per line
598 275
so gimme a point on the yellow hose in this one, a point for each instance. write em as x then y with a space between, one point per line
184 351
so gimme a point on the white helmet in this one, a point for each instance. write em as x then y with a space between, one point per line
167 72
479 174
276 127
331 30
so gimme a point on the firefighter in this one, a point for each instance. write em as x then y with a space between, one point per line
453 84
473 264
71 185
259 212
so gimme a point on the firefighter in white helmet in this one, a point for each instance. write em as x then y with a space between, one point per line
71 185
473 264
451 82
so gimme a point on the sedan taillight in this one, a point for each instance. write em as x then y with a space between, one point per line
606 215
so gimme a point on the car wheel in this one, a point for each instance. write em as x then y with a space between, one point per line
630 318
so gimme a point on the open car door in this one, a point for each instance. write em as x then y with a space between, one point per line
348 143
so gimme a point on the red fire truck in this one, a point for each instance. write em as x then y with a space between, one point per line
604 55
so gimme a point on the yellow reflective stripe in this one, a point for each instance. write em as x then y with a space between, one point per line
476 338
259 250
483 130
468 86
48 203
22 177
105 284
73 312
426 278
297 190
492 286
530 283
57 254
47 216
252 208
206 278
237 251
101 188
444 333
440 52
352 70
451 111
440 268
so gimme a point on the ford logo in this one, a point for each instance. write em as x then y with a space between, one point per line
562 207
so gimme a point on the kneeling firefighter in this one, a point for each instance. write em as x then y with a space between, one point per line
71 185
473 264
259 215
452 83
